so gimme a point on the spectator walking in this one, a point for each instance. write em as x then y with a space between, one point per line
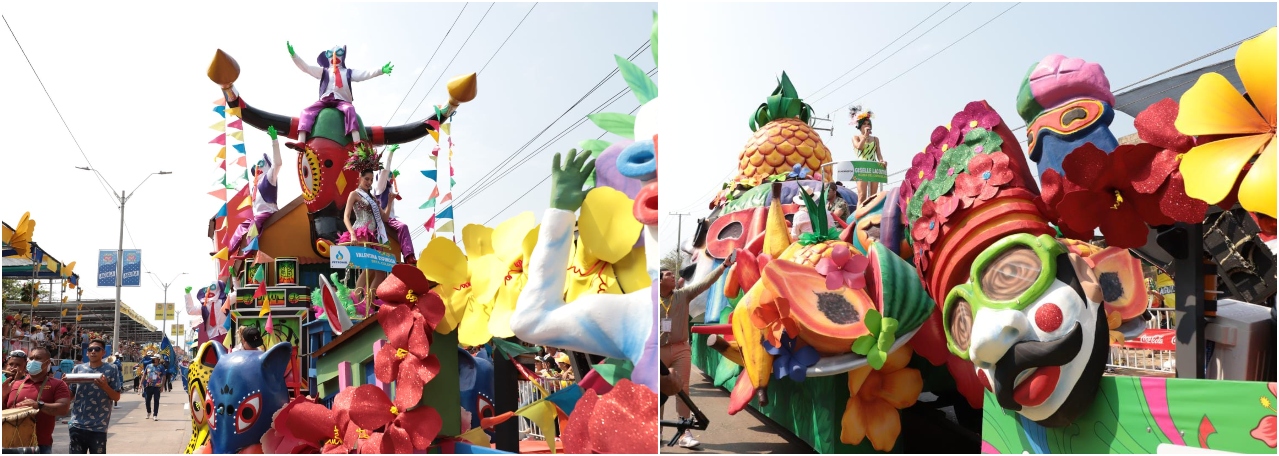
91 403
152 382
674 331
139 371
38 390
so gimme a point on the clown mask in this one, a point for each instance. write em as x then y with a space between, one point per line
1036 338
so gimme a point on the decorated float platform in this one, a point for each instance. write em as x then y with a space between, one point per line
1006 294
364 334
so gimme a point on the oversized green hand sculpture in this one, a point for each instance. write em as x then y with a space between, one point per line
386 69
567 182
291 53
270 130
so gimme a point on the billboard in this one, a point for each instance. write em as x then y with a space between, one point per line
132 268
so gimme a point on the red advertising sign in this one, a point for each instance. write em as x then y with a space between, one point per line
1154 339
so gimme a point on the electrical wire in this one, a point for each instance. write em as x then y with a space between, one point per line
446 67
492 172
983 25
471 195
863 62
102 181
428 64
508 38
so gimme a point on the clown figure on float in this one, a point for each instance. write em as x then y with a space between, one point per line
335 89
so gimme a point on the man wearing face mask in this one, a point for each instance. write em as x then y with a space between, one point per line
92 403
39 390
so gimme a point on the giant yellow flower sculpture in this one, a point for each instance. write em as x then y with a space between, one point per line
875 396
1214 107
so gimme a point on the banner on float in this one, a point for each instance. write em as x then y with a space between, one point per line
132 268
343 256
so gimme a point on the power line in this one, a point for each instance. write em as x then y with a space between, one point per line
530 190
912 41
455 54
484 178
863 62
508 38
428 64
983 25
102 181
471 195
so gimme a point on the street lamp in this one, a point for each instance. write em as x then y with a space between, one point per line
119 253
165 313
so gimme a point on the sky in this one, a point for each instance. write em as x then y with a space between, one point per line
134 92
737 57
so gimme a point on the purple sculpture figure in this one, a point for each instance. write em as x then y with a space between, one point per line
383 182
335 89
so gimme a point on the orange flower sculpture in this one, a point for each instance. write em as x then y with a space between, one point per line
875 396
1214 107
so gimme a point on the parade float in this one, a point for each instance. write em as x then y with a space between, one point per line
978 286
364 334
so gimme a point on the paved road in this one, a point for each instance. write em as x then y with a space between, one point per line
746 432
130 433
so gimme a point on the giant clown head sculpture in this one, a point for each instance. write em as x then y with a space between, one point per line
1022 314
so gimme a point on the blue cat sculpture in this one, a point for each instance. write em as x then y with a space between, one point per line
247 388
475 378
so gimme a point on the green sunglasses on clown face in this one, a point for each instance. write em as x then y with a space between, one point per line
1011 274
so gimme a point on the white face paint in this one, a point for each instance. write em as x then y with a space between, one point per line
996 331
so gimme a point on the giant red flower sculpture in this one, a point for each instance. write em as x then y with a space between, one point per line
1161 176
408 319
620 421
362 419
1102 194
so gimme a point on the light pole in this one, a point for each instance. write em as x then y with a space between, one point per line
119 252
164 314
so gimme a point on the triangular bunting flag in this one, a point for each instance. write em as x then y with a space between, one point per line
428 203
270 328
221 154
219 194
447 226
451 172
262 258
222 211
259 274
233 111
223 255
447 213
435 160
241 161
221 110
218 126
239 148
236 124
221 139
436 151
253 230
434 135
445 128
261 291
237 135
435 191
452 182
430 173
220 102
430 223
223 167
253 245
543 414
447 197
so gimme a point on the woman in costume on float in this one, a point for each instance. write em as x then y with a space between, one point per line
369 224
867 148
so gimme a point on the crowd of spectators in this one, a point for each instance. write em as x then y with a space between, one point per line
64 340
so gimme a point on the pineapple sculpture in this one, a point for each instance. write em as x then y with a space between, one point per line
782 138
814 246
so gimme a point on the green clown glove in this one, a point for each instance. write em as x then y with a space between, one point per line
270 130
291 54
567 182
386 69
